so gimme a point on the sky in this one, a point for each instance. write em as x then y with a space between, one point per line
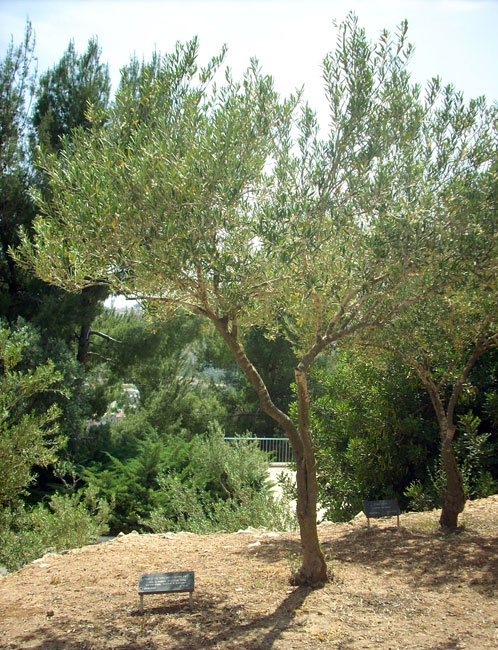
455 39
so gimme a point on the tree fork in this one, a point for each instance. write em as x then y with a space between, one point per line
313 570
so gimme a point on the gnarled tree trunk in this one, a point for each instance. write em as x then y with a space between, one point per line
313 569
453 496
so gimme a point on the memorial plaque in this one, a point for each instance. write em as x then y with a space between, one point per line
382 508
163 583
160 583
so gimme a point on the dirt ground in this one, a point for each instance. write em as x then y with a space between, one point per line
407 588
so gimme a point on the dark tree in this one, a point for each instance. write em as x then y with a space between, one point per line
16 208
63 97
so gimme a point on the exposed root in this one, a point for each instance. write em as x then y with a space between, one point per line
300 579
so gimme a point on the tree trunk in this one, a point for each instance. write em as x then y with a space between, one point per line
313 571
453 493
83 343
453 496
89 301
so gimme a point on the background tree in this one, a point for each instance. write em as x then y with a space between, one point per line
443 338
194 196
16 207
446 338
28 437
64 93
33 310
60 100
63 97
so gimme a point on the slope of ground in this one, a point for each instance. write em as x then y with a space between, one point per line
406 588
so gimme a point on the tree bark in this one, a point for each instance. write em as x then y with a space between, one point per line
89 301
83 343
453 496
313 570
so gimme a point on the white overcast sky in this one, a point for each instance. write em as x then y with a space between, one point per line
456 39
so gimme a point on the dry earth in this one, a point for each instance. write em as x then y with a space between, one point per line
407 588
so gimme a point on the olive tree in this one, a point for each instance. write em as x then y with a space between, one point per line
228 202
441 340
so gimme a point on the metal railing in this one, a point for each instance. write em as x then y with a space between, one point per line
279 449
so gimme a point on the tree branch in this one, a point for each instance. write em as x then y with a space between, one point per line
104 336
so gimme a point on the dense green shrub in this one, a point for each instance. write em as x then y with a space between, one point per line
200 484
371 431
376 435
194 513
69 521
223 488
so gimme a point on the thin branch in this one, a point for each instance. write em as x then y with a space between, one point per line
202 288
254 288
173 301
446 375
316 299
340 312
104 336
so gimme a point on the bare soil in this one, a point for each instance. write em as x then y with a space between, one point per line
411 587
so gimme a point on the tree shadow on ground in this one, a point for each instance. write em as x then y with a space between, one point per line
218 622
242 629
428 558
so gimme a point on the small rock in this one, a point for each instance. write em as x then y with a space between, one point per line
50 613
248 530
254 544
120 534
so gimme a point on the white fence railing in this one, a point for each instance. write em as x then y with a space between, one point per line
279 449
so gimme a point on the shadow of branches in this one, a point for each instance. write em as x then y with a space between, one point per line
211 622
429 558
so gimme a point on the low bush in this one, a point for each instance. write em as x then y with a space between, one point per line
224 488
68 521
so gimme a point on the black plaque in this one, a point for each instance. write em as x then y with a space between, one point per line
165 583
383 508
161 583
